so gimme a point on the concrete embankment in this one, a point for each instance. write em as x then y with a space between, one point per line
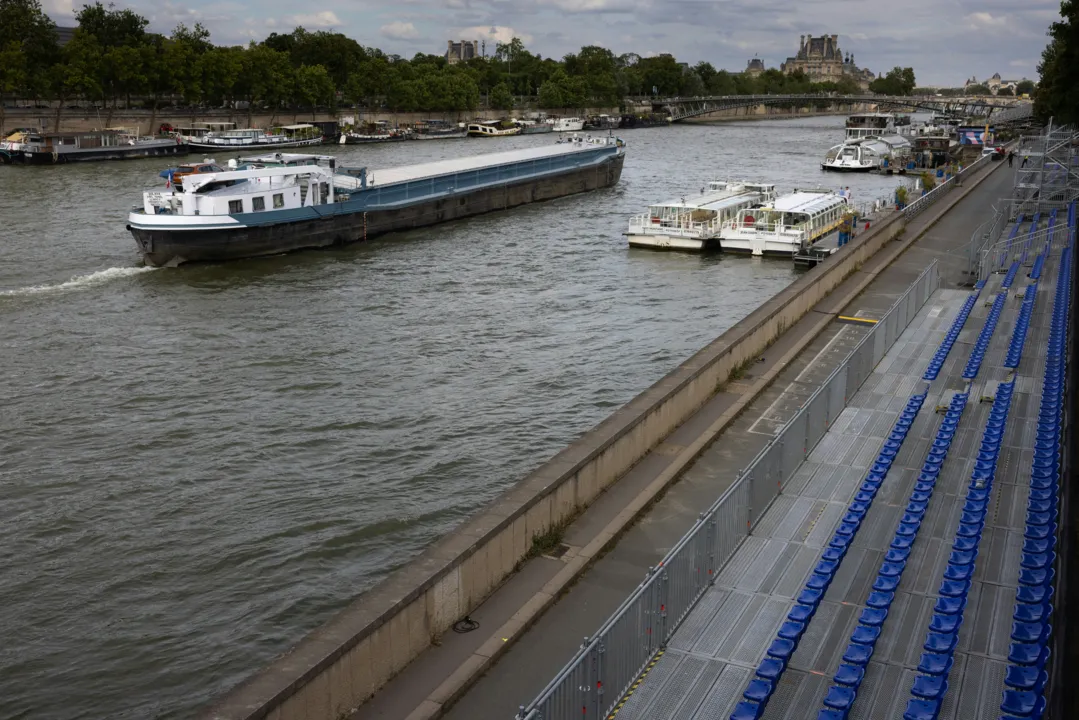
147 121
339 666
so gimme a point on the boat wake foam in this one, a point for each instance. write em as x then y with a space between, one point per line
78 282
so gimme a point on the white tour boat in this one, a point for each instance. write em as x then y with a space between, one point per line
867 154
568 124
253 138
867 125
694 223
787 226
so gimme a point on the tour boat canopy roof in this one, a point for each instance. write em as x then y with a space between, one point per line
807 202
733 190
301 126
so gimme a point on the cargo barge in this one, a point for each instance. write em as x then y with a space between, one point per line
28 147
297 202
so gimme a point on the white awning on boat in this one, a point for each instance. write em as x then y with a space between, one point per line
301 126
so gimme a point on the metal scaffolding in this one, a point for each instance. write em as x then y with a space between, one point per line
1046 168
1046 171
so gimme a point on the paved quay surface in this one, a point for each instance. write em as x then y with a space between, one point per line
716 650
543 649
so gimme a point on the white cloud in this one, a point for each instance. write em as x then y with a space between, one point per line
399 31
985 20
324 19
592 6
492 34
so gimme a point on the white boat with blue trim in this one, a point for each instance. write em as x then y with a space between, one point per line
694 223
789 225
280 203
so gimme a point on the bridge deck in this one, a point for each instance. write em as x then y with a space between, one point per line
714 654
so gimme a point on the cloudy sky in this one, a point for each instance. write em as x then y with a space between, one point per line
945 41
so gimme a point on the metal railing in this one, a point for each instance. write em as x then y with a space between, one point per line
606 664
919 206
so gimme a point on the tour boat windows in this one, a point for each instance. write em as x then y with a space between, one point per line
278 201
236 207
258 203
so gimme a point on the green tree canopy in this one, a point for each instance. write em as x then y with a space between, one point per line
1057 94
979 89
501 97
1024 87
1005 92
898 81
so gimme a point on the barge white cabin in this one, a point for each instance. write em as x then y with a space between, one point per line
868 125
786 227
694 223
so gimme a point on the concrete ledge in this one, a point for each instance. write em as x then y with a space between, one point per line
340 665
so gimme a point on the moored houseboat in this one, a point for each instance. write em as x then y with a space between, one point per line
788 226
568 124
286 136
694 223
280 207
438 130
33 148
373 132
492 128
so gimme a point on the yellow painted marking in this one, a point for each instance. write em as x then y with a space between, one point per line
636 684
868 321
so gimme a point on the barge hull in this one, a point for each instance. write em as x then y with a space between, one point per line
110 153
173 247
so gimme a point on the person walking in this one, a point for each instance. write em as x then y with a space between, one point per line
1011 157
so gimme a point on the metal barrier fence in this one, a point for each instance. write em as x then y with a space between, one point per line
606 664
918 206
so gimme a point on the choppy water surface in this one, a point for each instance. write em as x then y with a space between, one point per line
198 465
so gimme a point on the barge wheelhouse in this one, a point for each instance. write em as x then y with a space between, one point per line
869 125
786 227
271 206
694 223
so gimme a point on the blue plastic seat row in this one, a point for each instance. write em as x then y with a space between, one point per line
1010 277
848 678
1028 653
931 685
1011 238
941 354
1022 324
760 688
974 363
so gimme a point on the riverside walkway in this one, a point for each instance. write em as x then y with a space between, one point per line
431 686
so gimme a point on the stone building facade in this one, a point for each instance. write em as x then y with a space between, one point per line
755 67
823 61
461 51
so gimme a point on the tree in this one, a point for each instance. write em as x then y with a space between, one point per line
219 72
1005 91
1024 87
979 89
313 87
501 98
898 81
266 78
112 28
23 24
550 96
1057 94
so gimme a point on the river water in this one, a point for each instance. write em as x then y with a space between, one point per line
198 465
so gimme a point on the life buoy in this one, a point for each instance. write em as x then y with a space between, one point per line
750 220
